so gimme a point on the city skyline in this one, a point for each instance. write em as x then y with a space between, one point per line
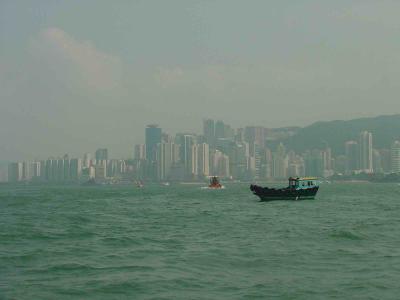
128 154
250 153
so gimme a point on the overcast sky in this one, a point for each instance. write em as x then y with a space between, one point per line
77 75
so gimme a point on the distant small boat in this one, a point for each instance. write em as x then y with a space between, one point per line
165 183
298 189
214 184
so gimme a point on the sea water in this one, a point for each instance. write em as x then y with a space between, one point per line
184 242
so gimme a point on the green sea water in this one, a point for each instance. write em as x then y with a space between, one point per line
182 242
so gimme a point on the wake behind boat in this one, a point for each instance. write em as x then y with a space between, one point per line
298 189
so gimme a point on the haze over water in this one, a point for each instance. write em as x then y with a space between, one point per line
181 242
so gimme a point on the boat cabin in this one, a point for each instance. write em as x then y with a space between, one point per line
302 183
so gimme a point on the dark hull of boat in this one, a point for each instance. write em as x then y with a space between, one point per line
270 194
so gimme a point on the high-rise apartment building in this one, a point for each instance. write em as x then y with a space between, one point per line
101 154
67 168
209 132
186 153
194 160
54 169
164 160
395 157
203 160
35 167
75 168
219 129
26 171
280 162
153 135
220 164
365 148
314 164
87 160
352 156
239 136
100 172
255 135
377 161
15 172
139 152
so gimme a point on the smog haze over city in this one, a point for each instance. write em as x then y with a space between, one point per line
199 149
79 75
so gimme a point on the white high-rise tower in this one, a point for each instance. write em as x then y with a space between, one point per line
204 159
365 148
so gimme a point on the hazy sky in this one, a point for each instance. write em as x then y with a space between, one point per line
78 75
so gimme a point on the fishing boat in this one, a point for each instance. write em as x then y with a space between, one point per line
298 189
214 184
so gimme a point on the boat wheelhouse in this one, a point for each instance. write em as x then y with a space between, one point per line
299 188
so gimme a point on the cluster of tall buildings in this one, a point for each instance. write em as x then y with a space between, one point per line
67 169
250 153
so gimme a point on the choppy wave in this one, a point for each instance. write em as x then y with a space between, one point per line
182 243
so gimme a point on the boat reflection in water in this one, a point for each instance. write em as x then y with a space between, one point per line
298 189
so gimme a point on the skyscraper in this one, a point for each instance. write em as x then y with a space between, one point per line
26 171
220 164
314 163
255 135
352 156
75 168
365 144
395 157
209 131
219 129
67 169
54 169
186 153
87 160
280 162
60 170
203 159
164 160
139 152
100 172
15 172
327 162
239 137
153 137
101 154
377 161
194 160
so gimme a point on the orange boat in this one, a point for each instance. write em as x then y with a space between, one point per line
214 183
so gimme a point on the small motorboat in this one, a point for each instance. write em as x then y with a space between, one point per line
215 184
